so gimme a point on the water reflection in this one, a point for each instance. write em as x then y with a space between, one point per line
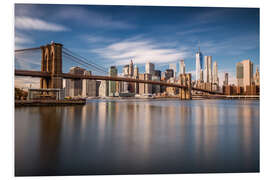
119 137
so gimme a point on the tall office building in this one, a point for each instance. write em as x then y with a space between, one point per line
244 73
201 75
215 73
182 66
136 76
240 74
136 71
226 80
173 67
149 68
130 69
112 84
199 66
208 69
126 70
88 86
74 86
248 72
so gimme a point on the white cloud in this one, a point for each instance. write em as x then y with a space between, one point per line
98 39
140 51
29 23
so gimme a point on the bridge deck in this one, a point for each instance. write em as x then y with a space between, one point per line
107 78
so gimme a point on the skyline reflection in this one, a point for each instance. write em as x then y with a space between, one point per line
138 136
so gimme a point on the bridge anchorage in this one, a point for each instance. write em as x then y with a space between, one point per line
51 73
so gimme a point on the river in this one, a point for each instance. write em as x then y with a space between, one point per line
138 137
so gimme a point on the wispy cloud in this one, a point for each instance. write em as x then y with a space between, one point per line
29 23
22 38
141 51
98 39
93 18
232 46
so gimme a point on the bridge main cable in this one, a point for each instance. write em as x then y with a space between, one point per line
27 49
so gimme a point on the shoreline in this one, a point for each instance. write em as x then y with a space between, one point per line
22 103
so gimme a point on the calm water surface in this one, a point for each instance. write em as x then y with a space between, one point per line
138 136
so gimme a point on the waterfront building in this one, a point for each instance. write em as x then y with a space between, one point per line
155 88
112 84
199 61
73 87
143 87
149 68
104 88
88 86
182 67
208 69
173 67
171 90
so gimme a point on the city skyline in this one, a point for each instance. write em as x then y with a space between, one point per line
163 37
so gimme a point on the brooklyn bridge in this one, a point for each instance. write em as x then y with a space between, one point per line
51 72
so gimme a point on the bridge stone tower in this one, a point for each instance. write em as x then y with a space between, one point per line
51 62
185 80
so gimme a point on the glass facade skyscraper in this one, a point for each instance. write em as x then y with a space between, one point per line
199 65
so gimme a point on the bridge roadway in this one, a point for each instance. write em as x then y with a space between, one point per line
107 78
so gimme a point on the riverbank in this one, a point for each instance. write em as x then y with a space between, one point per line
49 102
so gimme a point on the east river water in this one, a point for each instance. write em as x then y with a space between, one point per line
138 137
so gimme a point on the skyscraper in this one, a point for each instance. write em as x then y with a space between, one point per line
126 70
149 68
240 74
88 86
257 77
248 72
226 80
215 73
199 61
173 67
74 86
112 84
130 69
244 73
182 66
208 69
136 71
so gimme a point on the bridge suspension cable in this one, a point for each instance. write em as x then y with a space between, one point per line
84 60
81 62
28 49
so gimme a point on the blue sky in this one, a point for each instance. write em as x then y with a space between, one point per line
112 35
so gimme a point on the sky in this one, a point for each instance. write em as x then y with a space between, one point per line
113 35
